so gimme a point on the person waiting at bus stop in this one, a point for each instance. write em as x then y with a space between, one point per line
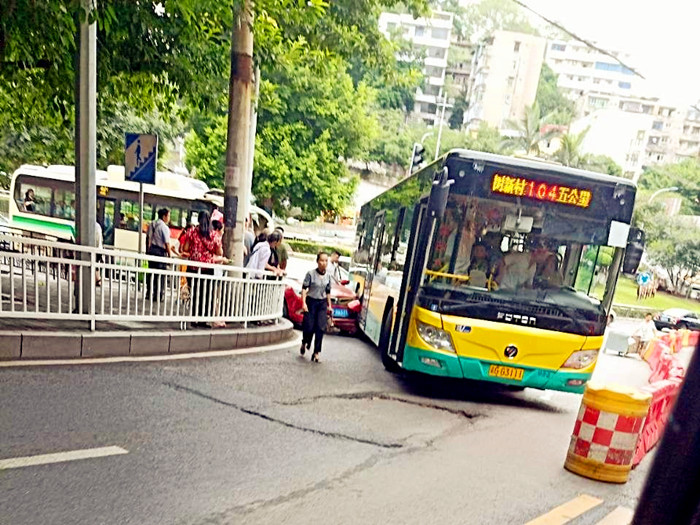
158 244
316 302
201 244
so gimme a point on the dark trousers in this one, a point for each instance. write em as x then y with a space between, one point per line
200 290
314 323
154 282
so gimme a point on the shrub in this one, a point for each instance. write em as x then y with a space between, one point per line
314 248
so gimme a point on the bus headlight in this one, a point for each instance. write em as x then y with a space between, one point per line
581 359
435 337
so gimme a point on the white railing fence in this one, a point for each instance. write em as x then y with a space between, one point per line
38 280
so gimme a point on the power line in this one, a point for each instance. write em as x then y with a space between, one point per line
576 37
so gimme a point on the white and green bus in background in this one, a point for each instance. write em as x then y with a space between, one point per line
42 203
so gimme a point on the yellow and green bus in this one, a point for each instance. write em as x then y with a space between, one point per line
493 268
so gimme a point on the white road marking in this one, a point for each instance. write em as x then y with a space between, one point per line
568 511
135 359
620 516
60 457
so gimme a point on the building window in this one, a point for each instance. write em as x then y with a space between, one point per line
558 47
420 30
657 125
391 27
624 85
439 33
596 81
617 68
516 47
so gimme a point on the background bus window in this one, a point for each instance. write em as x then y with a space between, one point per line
129 215
177 218
42 197
64 204
105 216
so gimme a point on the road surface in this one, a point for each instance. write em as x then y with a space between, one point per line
273 438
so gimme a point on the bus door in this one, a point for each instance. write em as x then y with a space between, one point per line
105 216
369 322
418 246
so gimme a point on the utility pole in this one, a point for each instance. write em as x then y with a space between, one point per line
86 145
237 146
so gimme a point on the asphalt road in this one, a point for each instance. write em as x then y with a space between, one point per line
273 438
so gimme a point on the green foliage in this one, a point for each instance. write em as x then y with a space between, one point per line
480 19
314 248
529 132
684 175
569 153
602 164
460 107
551 99
677 251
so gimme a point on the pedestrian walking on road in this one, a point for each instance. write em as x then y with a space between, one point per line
316 302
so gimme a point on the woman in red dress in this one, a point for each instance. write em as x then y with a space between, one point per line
202 244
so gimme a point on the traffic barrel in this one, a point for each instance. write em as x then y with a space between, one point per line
606 432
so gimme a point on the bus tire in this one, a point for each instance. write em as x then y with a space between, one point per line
385 337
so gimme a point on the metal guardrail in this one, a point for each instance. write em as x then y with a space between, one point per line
38 280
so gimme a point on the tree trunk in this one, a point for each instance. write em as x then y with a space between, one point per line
237 143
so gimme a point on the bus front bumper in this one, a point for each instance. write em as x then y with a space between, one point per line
451 365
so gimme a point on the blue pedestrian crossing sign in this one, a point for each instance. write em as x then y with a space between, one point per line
140 158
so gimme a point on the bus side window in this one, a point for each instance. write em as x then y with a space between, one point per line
398 258
129 215
64 204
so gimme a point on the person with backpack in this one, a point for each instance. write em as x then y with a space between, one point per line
316 302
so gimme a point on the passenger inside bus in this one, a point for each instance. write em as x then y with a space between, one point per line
29 202
479 269
549 275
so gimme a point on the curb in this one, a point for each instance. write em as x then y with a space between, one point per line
35 345
152 358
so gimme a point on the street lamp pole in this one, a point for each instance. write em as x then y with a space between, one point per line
444 105
662 190
425 136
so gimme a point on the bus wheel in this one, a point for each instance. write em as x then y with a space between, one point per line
389 364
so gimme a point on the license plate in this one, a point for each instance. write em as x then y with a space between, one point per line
506 372
340 312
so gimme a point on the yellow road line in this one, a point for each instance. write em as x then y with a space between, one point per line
568 511
620 516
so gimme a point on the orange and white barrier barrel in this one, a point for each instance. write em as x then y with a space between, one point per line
606 432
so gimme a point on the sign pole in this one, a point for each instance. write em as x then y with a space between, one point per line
140 217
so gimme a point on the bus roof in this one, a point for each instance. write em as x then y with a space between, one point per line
516 162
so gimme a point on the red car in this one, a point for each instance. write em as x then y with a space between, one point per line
344 301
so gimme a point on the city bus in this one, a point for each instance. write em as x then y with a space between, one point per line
493 268
52 213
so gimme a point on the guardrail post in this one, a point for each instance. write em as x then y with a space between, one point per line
246 299
93 291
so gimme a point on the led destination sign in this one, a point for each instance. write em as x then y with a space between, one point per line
541 191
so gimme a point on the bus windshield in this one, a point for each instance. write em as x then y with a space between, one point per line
517 262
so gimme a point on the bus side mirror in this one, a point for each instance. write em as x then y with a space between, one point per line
440 190
634 251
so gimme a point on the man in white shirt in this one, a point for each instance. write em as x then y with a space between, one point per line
260 258
643 334
334 267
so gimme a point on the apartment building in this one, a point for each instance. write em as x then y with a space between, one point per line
431 39
583 70
640 134
505 73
